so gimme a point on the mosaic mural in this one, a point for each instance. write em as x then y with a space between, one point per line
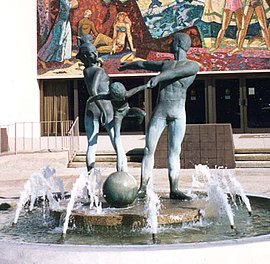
227 35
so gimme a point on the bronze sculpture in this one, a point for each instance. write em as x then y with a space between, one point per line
173 80
118 96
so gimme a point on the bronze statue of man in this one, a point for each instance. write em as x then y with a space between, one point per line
173 81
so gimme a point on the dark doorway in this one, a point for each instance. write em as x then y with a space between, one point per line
227 102
195 103
258 103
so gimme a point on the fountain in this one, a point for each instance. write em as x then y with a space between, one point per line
148 229
105 218
170 228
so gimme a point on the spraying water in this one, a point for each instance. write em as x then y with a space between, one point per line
84 186
236 189
219 186
40 185
152 208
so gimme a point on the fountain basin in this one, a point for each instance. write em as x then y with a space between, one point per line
253 249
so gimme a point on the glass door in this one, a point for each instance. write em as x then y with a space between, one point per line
258 104
228 103
196 103
243 102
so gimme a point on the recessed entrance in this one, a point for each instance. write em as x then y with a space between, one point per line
243 101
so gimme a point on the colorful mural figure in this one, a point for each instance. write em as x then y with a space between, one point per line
43 20
121 32
251 7
231 7
220 31
58 45
86 27
214 12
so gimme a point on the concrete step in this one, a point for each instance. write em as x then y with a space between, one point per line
107 158
252 164
252 157
102 164
134 156
252 151
103 158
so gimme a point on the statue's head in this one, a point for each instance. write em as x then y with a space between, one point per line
181 40
118 91
87 54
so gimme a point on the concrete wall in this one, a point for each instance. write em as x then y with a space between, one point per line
20 97
210 144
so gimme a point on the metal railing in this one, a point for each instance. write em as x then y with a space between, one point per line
74 139
37 136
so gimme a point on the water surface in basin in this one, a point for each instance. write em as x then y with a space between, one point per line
37 227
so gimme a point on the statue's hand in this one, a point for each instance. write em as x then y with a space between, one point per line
153 82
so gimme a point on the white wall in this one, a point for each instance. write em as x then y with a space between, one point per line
19 91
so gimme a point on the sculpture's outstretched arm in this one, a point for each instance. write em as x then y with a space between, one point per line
187 69
99 97
135 90
144 65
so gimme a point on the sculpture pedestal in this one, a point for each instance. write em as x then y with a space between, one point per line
171 212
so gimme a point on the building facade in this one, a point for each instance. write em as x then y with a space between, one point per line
41 83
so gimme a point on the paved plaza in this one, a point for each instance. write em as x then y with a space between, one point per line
16 169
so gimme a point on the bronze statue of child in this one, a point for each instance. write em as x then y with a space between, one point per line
118 95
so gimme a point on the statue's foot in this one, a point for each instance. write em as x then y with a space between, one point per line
177 195
141 193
